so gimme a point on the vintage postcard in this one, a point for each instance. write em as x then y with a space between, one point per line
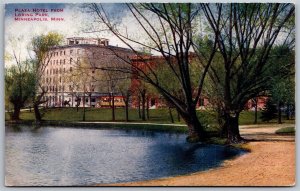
149 94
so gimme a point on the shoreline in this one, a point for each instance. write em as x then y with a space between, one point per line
271 162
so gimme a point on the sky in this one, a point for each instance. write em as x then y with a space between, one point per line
76 22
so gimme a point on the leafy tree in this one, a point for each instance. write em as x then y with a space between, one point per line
283 84
19 82
168 30
246 35
41 45
124 87
269 112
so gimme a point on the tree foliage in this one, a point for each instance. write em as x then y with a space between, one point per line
246 35
20 79
168 30
41 46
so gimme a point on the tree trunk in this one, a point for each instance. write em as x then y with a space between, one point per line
37 113
143 106
72 100
232 127
222 124
126 111
83 116
171 116
139 107
196 131
16 114
279 112
113 108
147 108
288 112
255 111
178 116
90 99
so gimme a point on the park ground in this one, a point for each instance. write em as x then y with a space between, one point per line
270 162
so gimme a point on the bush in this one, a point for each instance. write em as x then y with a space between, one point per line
286 130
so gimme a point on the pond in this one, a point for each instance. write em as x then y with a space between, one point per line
52 156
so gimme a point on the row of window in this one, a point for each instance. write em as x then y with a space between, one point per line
57 71
63 61
54 88
53 62
53 54
49 80
61 53
61 88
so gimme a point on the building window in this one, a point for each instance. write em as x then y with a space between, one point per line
71 51
71 60
47 71
64 52
64 70
70 69
60 52
60 61
64 61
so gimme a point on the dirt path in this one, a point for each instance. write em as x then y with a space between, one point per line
271 162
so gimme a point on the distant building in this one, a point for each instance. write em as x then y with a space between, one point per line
84 89
63 61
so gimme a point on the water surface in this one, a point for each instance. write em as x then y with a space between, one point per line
51 156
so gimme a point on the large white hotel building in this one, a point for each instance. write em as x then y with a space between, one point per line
65 59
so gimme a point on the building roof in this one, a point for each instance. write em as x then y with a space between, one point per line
92 45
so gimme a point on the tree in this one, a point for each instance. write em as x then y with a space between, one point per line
283 84
41 45
245 35
81 81
124 87
19 82
168 30
269 111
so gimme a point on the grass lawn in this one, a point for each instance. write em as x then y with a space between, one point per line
286 130
208 118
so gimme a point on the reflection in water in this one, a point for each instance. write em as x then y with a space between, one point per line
66 156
